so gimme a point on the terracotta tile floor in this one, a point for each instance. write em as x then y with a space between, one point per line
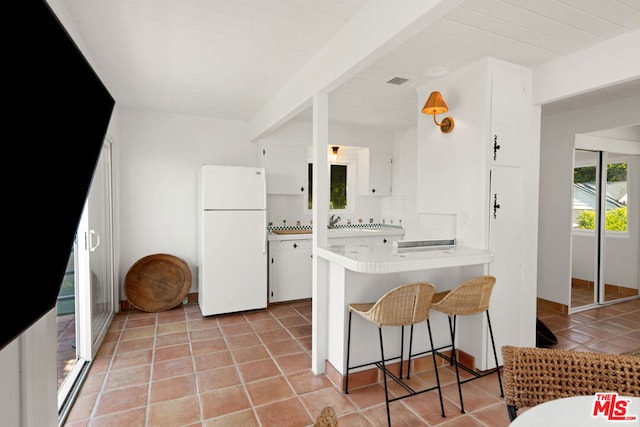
177 368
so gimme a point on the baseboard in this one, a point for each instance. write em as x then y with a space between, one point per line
373 375
581 284
543 304
612 291
191 298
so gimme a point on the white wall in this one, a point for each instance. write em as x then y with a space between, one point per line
158 158
556 162
299 132
10 390
28 396
292 208
454 178
405 178
452 167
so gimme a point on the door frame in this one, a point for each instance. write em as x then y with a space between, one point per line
88 341
602 146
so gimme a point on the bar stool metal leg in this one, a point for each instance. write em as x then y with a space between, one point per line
346 385
402 350
435 367
409 358
384 377
454 358
495 355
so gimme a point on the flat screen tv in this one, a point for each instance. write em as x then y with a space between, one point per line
56 116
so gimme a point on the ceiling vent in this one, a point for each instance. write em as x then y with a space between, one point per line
397 81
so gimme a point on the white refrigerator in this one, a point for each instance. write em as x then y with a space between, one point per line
232 239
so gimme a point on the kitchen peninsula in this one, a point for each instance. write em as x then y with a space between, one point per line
363 273
290 255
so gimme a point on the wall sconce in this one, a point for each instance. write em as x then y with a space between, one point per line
334 156
436 105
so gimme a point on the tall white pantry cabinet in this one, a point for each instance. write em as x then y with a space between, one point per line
477 174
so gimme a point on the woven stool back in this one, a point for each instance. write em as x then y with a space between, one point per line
471 297
405 305
537 375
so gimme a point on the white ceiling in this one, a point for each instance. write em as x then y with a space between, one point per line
227 58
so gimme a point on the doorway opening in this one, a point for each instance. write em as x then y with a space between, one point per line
605 251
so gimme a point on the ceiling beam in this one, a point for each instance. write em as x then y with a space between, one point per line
374 31
606 64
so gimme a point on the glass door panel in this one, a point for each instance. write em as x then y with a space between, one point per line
621 247
94 293
100 297
66 322
585 209
605 250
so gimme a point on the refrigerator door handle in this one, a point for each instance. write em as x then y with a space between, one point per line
264 240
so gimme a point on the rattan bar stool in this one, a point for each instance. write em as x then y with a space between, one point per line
469 298
405 305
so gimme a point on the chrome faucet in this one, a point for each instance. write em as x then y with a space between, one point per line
333 221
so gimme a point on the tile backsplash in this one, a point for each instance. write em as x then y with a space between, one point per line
290 211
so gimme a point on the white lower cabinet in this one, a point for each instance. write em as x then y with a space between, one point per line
383 240
378 239
290 264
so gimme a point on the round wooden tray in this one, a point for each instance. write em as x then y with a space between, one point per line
157 282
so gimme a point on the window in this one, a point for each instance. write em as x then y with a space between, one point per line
340 183
585 191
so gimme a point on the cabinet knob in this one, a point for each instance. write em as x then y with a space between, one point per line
295 245
384 240
301 189
373 190
496 206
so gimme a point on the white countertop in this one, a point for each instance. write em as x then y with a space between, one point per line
341 232
389 259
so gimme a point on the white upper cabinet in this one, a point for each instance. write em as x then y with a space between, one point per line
509 100
286 168
374 173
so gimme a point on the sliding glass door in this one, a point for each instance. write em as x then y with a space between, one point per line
605 251
91 299
585 224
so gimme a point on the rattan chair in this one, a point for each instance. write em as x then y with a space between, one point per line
405 305
536 375
469 298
